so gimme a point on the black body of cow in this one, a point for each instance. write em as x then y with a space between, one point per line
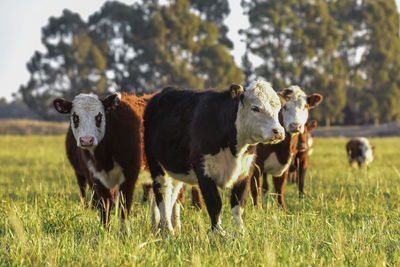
180 128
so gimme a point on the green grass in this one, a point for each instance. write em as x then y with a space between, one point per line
348 217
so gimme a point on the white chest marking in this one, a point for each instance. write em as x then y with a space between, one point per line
189 178
226 169
274 167
109 179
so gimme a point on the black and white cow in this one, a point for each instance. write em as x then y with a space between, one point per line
206 138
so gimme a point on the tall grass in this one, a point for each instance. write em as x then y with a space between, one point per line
348 216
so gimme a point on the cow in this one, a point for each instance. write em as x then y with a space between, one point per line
207 138
360 151
275 159
138 104
103 146
297 170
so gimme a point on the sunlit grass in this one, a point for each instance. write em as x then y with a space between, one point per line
348 217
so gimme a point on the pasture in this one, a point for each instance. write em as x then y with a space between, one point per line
348 216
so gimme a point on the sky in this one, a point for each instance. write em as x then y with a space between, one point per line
20 32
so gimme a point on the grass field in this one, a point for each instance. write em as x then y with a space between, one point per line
348 217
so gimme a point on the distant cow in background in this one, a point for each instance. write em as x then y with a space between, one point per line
297 170
360 151
275 159
205 138
103 146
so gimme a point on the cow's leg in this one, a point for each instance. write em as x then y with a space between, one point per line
240 192
211 197
103 201
265 186
126 194
163 190
175 219
146 191
197 200
302 173
279 183
359 162
256 187
155 216
82 183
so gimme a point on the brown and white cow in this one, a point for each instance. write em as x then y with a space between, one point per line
297 170
206 138
103 146
275 159
360 151
138 104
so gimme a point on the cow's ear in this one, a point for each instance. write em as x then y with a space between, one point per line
111 101
373 149
63 106
314 100
311 125
236 91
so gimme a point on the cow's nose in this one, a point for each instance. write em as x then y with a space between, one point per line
86 140
294 127
276 133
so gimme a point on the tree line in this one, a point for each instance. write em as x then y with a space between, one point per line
347 50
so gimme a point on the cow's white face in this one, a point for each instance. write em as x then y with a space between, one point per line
257 118
296 107
88 117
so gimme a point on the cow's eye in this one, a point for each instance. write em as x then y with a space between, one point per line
285 107
75 120
255 109
98 119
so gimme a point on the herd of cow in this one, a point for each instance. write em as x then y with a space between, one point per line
229 139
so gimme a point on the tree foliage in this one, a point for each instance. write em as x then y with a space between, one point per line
134 48
347 50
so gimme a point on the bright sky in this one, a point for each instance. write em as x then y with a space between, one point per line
20 32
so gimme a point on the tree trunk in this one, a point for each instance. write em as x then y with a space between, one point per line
327 122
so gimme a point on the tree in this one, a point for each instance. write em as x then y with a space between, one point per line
248 69
381 59
72 64
166 44
215 11
135 48
298 41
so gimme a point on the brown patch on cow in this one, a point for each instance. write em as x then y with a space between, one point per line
197 199
297 170
138 103
284 152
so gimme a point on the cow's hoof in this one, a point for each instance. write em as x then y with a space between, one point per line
219 231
